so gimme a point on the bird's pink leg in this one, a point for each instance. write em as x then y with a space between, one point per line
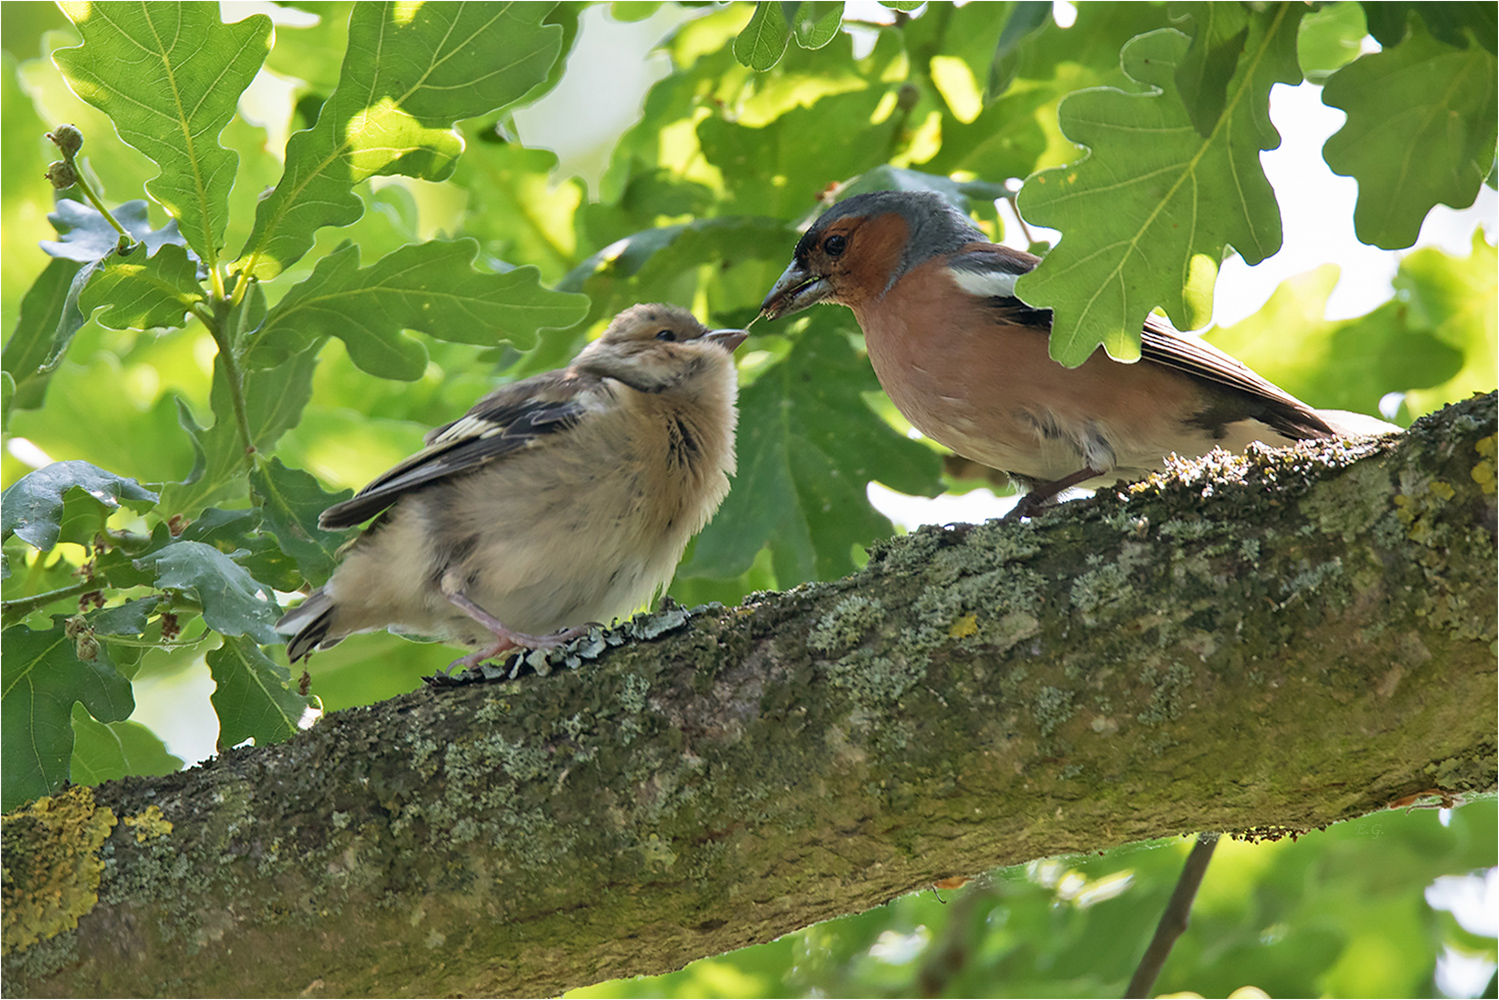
1030 505
504 638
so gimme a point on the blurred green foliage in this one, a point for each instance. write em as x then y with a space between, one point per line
1336 912
338 176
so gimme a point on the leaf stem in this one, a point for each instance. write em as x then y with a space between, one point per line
88 193
234 379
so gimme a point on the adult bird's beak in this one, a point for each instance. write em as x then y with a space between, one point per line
795 290
729 340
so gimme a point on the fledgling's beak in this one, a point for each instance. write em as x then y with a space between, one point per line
729 340
795 290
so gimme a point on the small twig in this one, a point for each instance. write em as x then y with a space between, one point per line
1010 199
12 611
68 141
1174 921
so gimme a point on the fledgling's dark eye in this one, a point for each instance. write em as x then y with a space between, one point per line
834 245
666 335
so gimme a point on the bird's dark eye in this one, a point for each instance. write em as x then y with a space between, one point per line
834 245
666 335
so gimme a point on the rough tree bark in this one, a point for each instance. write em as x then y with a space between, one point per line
1253 645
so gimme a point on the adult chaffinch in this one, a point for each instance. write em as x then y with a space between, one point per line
558 500
967 363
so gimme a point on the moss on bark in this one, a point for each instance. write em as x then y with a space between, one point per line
1247 645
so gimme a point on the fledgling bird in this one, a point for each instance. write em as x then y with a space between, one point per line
967 363
558 500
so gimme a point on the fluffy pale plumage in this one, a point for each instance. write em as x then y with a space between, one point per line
967 362
561 499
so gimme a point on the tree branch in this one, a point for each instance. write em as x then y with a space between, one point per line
1252 646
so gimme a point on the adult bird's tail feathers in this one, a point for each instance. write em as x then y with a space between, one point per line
1346 423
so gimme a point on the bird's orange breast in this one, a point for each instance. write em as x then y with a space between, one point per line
988 389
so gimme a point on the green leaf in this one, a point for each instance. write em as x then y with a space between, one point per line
1218 36
126 619
1027 19
1457 300
813 23
1330 38
763 41
274 400
514 211
309 52
632 10
1345 364
439 63
42 677
1148 213
104 751
808 445
142 293
239 535
1421 129
170 76
28 354
67 501
902 5
649 266
431 287
1453 23
233 602
780 168
85 235
291 501
252 695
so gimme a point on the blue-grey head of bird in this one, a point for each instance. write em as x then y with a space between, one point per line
658 348
867 241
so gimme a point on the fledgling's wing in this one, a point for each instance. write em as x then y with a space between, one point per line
512 418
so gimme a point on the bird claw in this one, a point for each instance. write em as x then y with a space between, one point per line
506 640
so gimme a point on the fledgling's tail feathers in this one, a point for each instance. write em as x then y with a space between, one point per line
308 623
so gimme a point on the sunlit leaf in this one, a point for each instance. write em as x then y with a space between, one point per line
431 287
438 63
763 41
1343 364
1457 300
139 292
169 76
1330 38
814 23
1420 132
1147 215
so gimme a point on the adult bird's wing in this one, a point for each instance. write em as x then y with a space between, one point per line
991 270
1261 399
512 418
